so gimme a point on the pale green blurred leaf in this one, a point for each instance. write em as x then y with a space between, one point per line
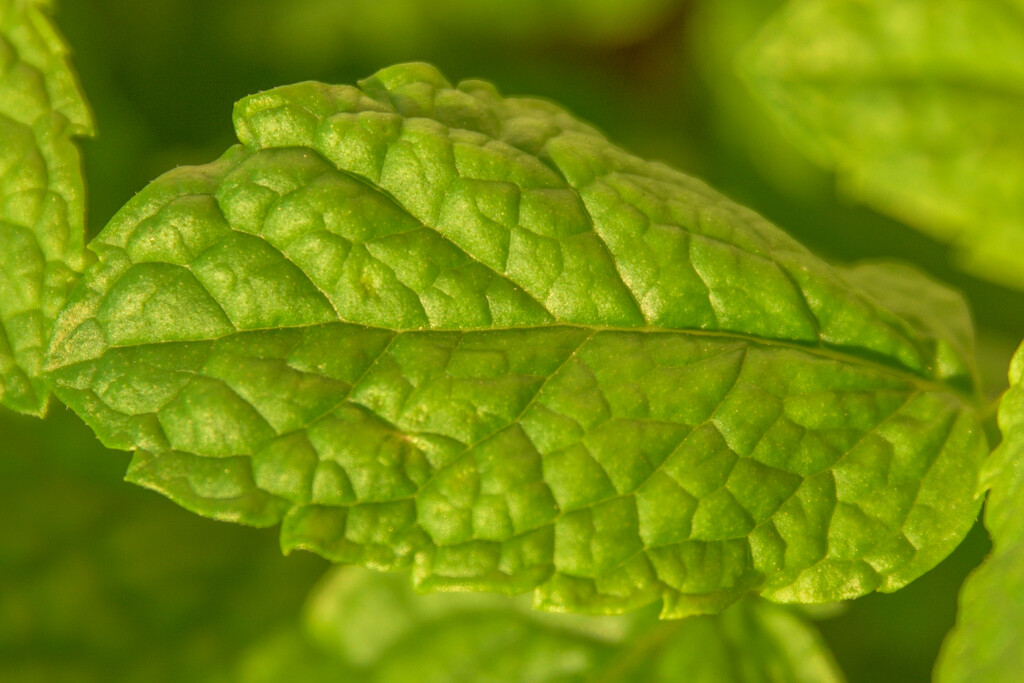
916 105
371 627
717 32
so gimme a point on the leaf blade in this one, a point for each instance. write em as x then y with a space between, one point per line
321 328
985 641
42 194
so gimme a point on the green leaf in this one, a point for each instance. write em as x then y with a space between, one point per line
916 104
433 327
42 214
371 627
988 643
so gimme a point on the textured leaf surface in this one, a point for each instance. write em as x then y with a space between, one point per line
988 641
371 627
916 104
430 326
41 195
104 582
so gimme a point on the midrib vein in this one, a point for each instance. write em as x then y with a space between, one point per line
820 349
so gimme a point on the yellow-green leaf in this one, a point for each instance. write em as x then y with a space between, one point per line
988 641
42 211
427 326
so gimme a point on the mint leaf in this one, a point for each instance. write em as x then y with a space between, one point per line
42 215
987 643
916 105
371 627
433 327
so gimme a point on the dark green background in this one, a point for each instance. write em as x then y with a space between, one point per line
102 581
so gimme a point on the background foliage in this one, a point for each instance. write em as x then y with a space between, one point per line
133 588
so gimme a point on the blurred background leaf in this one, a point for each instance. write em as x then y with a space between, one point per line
373 627
916 104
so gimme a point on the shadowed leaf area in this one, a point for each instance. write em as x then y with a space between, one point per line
100 581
